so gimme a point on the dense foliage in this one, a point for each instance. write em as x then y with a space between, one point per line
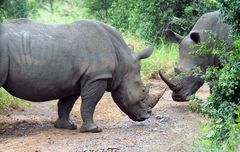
223 104
100 8
147 19
231 12
15 8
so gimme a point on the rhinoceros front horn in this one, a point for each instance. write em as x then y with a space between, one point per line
154 96
170 84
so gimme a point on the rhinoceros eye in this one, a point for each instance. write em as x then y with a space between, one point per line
143 89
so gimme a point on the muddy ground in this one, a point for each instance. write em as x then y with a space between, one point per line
171 128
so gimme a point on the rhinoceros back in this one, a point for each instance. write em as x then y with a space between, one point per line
52 61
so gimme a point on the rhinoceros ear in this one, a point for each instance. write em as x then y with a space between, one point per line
195 37
145 53
172 36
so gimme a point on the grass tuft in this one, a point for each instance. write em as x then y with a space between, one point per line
8 102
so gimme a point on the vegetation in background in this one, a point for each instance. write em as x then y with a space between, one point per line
149 18
15 9
100 8
64 11
231 12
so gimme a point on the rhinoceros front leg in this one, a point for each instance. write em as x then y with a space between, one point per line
64 107
91 94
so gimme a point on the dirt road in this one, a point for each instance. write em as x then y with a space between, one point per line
170 128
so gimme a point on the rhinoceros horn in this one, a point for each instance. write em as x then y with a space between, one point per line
170 84
153 94
153 98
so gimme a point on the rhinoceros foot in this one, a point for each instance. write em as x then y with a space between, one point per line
87 127
66 124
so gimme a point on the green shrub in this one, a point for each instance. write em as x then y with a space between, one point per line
1 15
15 9
100 8
223 104
231 12
149 18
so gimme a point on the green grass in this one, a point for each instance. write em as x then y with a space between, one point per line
8 101
164 57
204 143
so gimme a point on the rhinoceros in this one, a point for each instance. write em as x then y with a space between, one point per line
208 23
42 62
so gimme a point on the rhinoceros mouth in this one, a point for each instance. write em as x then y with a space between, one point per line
142 118
139 113
180 97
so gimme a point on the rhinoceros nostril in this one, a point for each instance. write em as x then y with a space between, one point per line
149 111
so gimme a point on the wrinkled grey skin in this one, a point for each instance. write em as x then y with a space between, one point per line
188 85
41 62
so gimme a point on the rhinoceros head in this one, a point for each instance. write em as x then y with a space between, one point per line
186 85
131 95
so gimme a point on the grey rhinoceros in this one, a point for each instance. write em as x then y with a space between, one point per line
41 62
207 24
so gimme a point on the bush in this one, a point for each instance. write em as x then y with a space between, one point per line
1 15
223 104
100 8
231 12
15 9
148 19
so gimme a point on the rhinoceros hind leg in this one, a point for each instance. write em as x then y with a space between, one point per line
91 94
90 128
64 107
66 124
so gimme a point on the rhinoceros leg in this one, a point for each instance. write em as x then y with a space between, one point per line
64 107
91 94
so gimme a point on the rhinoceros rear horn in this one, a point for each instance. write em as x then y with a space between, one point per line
145 53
